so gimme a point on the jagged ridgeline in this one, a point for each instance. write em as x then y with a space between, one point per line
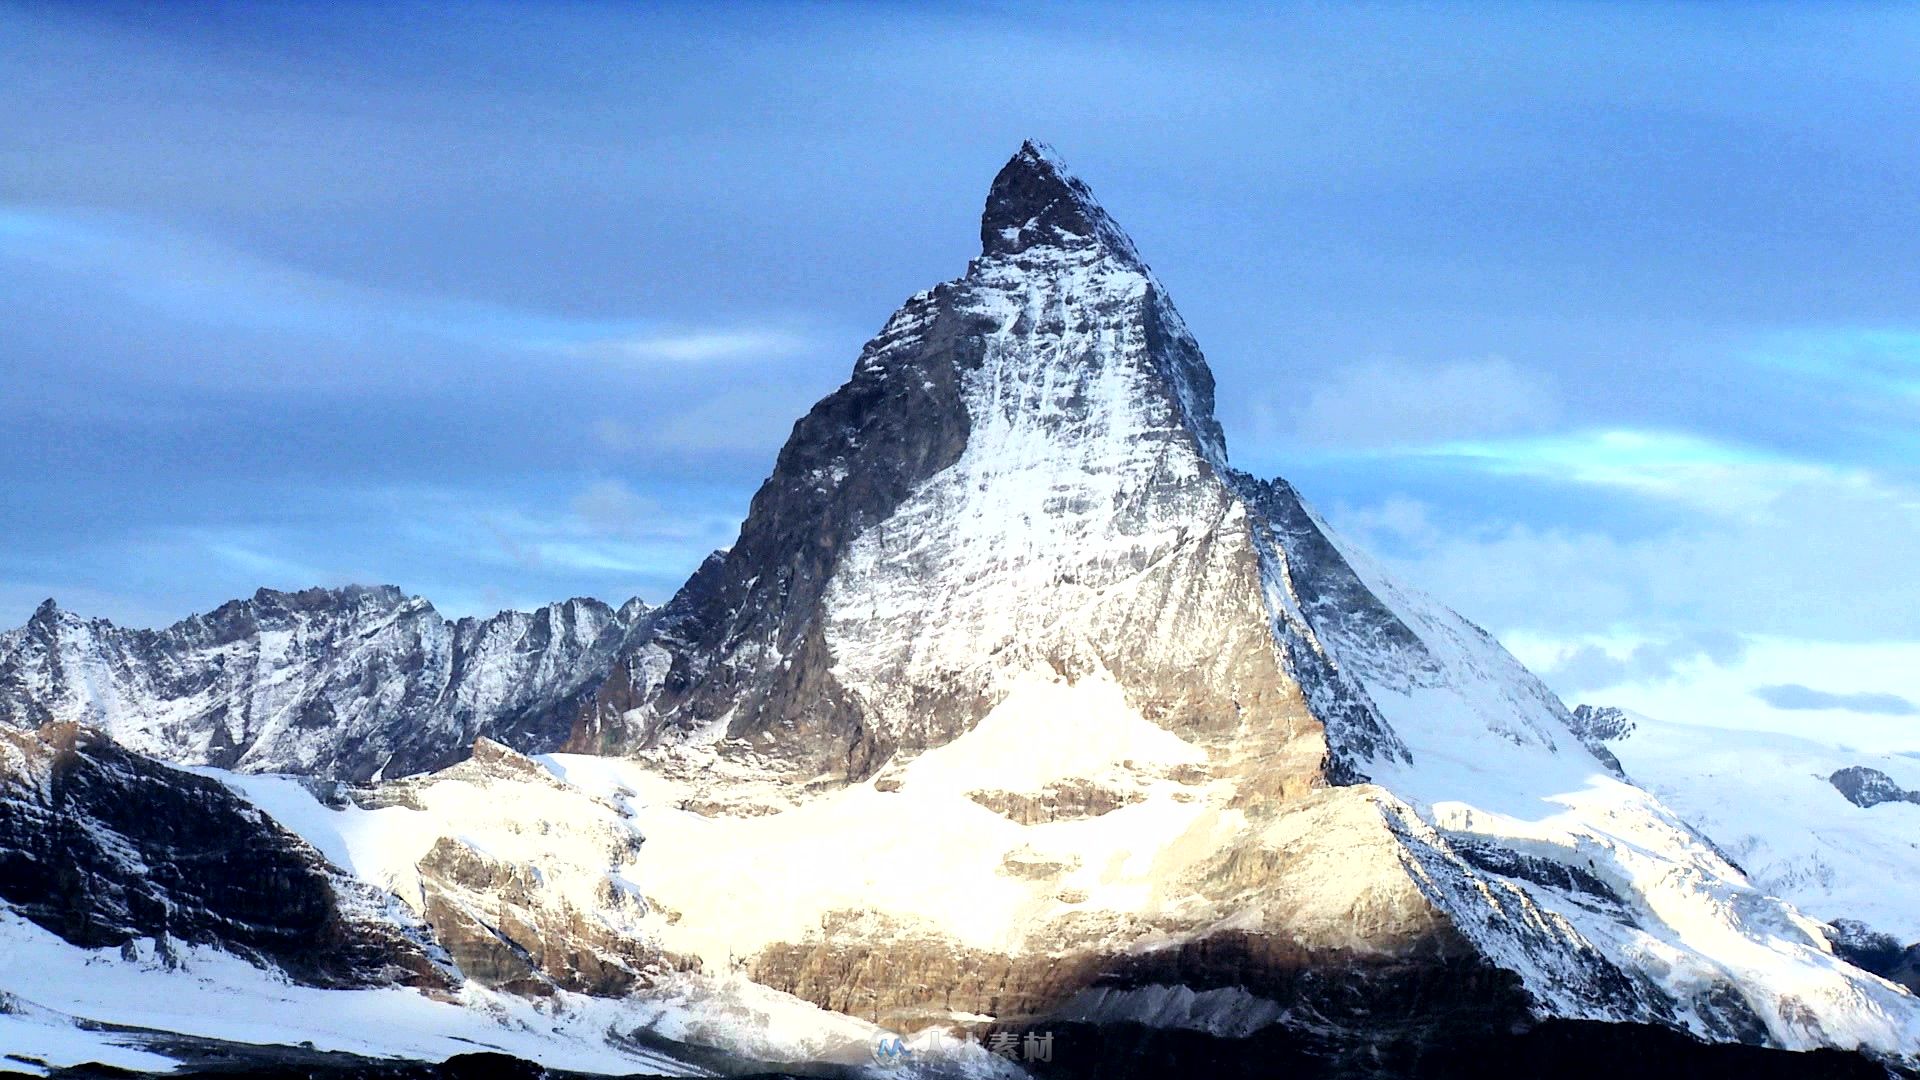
346 683
1014 699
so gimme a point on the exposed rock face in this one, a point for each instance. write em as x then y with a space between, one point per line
1882 954
1596 726
1867 788
102 846
518 875
346 683
1045 420
1601 723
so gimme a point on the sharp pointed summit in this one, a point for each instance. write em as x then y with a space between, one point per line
1037 200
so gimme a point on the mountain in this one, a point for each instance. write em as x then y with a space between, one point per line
1015 699
1023 473
343 683
1015 710
1824 824
1867 787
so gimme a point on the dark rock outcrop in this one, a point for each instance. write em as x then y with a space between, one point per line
1596 726
102 847
1601 723
1883 954
1867 788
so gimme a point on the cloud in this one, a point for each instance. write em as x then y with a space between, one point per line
1883 360
611 529
1706 474
1734 694
743 417
1392 403
689 347
202 280
1590 666
1795 696
617 436
1753 544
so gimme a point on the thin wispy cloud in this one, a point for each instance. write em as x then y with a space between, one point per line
197 279
1871 359
1591 666
1677 467
1795 697
686 347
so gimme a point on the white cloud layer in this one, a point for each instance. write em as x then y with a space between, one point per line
1776 594
1762 547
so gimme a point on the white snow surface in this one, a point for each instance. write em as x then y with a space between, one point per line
1764 797
214 995
1487 764
926 854
571 820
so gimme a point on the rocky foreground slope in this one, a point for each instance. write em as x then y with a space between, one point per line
1014 707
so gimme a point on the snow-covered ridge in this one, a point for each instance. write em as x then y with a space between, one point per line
346 683
1769 800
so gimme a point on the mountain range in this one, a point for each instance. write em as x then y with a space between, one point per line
1016 716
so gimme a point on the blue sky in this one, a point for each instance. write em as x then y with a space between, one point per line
1600 322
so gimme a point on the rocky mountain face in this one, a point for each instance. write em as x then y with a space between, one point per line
107 848
1023 471
1601 723
346 683
1882 954
515 871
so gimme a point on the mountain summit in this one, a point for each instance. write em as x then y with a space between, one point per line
1036 201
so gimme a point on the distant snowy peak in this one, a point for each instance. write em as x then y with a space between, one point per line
348 682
